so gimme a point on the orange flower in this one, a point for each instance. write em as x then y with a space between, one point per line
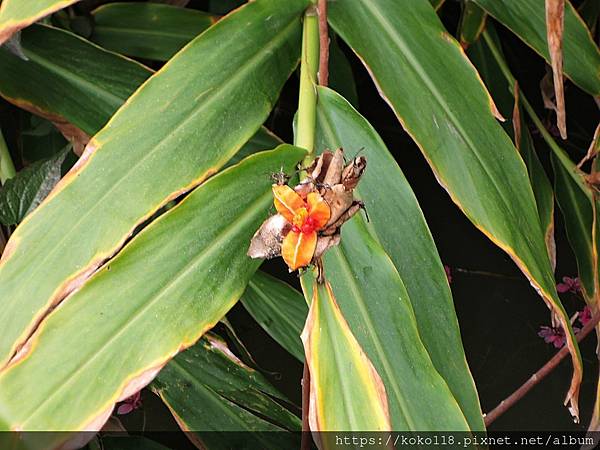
306 217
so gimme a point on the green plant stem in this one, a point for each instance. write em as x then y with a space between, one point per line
307 101
305 138
562 156
7 168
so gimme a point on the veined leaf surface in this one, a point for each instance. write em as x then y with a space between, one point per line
172 127
527 19
578 216
376 305
279 309
168 286
67 79
81 74
346 392
17 14
207 388
504 99
397 223
442 103
147 30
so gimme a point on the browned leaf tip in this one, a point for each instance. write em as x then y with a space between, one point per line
516 117
593 149
555 11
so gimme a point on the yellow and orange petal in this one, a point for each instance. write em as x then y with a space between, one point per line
298 249
318 210
287 201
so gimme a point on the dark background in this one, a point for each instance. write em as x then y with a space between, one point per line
499 312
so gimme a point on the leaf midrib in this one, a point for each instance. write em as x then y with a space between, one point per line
216 244
213 95
190 377
378 347
146 32
405 49
73 78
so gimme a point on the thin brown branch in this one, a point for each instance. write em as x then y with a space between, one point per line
306 438
323 44
517 395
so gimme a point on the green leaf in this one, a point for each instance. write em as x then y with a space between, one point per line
437 4
503 95
527 19
472 23
279 309
80 72
28 188
168 138
169 285
397 222
542 190
207 388
147 30
67 79
341 78
17 14
262 139
376 305
346 392
578 216
40 140
441 102
590 12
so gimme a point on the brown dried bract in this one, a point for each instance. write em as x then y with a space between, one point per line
335 180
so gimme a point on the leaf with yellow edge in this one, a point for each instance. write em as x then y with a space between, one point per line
346 392
17 14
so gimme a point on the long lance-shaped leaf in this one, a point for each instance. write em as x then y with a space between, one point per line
377 306
527 19
504 99
64 73
17 14
279 309
346 392
442 103
208 389
341 78
397 222
578 216
472 23
147 30
590 12
168 286
68 80
581 223
168 137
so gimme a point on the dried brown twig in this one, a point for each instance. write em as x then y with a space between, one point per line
538 376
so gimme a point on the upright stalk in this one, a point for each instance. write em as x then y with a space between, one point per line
305 138
7 168
307 101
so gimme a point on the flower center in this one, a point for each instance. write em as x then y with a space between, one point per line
303 222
